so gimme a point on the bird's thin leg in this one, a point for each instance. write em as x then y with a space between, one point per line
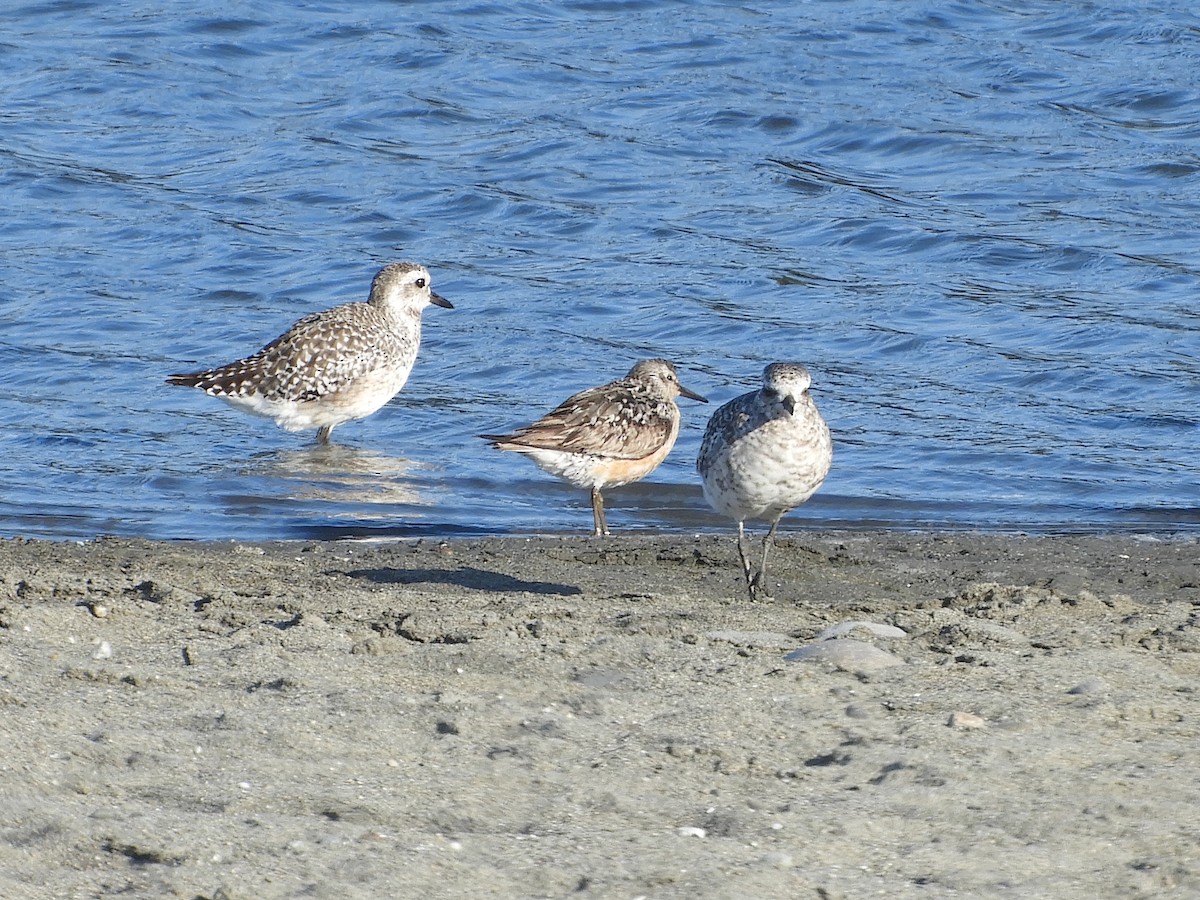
598 511
760 580
323 434
741 545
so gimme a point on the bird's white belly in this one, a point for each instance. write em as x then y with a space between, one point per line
577 468
766 473
357 400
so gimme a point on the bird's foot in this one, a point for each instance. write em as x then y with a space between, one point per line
760 588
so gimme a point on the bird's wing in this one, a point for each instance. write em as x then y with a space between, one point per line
612 421
317 356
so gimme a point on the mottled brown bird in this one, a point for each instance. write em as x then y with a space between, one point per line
333 366
606 436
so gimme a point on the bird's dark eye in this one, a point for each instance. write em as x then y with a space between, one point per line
420 282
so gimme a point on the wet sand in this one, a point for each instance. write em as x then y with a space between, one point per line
568 717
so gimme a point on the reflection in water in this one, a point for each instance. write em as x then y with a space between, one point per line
346 475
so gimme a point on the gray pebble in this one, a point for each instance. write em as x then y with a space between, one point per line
1090 686
847 654
859 711
872 628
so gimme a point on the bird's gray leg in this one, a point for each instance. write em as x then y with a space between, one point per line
760 580
598 511
323 434
741 545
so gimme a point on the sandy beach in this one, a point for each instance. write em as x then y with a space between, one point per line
572 717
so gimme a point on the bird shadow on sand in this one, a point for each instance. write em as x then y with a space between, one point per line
469 578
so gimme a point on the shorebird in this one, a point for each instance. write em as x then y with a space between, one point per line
332 366
606 436
763 454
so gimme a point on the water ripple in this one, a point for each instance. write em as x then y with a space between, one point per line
972 223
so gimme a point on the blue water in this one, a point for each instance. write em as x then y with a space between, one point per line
978 224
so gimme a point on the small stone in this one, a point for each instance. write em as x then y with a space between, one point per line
966 720
859 711
846 654
872 628
692 831
104 651
1090 686
99 610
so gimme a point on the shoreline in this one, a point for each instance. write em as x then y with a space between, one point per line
558 715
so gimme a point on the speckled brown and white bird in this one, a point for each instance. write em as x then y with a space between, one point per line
332 366
606 436
763 454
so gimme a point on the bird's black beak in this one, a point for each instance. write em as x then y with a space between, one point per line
439 300
789 403
691 395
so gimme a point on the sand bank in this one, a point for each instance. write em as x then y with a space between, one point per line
569 717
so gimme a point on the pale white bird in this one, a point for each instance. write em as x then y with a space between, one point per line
763 454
